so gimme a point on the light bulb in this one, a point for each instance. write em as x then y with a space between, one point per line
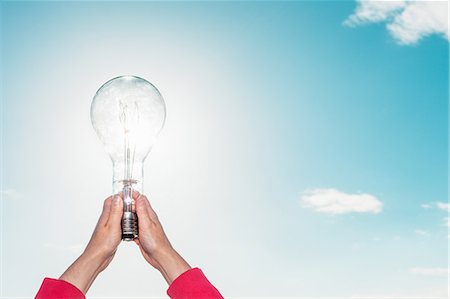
128 113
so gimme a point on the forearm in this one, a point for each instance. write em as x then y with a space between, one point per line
172 264
83 271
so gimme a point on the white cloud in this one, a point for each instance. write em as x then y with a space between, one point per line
370 11
332 201
443 206
440 205
406 20
426 206
430 271
421 232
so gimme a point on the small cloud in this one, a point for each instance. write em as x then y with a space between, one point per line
443 206
430 271
407 21
426 206
332 201
10 194
421 232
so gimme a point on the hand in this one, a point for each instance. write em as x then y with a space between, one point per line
101 248
154 244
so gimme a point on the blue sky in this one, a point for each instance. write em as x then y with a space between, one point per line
302 155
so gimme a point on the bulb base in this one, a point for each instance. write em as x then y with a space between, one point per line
129 226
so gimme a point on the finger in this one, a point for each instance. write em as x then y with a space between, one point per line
116 211
135 194
105 212
149 208
142 212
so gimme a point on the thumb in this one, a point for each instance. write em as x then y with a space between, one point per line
115 215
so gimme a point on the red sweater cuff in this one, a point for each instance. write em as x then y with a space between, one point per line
193 284
58 289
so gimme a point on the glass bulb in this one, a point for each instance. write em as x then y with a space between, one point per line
128 113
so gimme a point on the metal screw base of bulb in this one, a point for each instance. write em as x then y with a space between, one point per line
129 226
129 218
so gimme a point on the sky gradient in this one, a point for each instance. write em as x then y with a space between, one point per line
301 156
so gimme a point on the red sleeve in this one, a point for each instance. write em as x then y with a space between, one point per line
193 284
58 289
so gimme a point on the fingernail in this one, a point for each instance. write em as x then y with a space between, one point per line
117 200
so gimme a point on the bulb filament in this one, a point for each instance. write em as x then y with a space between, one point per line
129 118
